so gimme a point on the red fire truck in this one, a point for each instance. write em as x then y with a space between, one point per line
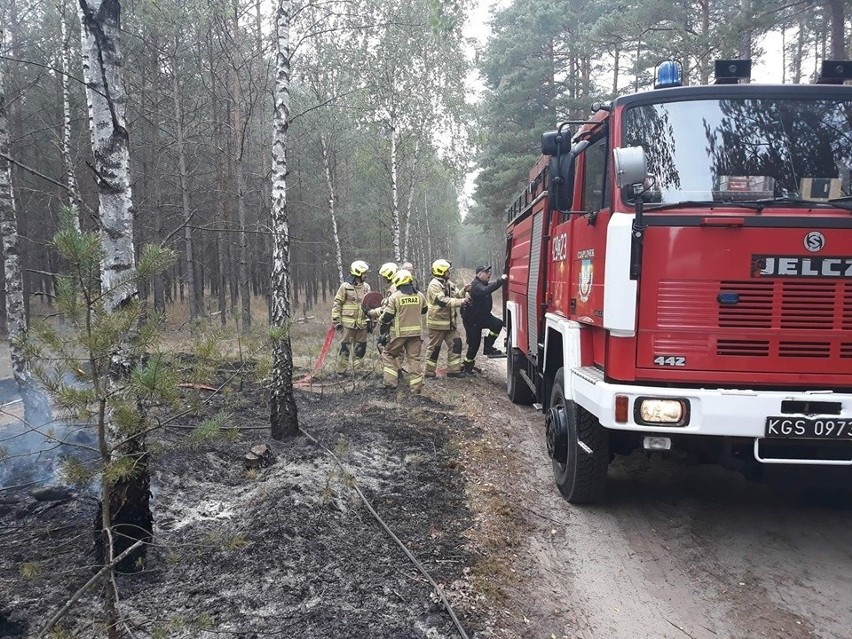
680 276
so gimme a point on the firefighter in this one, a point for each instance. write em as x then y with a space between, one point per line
477 317
444 298
408 266
388 272
400 323
349 317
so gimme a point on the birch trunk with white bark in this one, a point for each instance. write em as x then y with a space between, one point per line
70 177
332 202
100 21
36 405
394 141
189 265
283 411
126 502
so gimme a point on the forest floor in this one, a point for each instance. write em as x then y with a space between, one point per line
461 476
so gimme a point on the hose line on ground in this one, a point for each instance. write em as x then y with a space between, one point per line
399 543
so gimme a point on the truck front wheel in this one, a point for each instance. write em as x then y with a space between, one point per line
578 446
516 387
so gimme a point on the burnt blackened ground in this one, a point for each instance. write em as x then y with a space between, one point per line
285 551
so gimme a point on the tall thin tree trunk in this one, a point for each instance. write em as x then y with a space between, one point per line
800 49
332 202
239 133
838 22
70 177
160 282
746 33
283 411
616 58
221 214
397 251
426 222
127 505
411 190
36 405
189 267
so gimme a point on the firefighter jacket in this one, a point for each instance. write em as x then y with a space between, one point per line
444 298
375 313
347 309
403 312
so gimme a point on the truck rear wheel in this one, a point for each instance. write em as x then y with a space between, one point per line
578 446
516 387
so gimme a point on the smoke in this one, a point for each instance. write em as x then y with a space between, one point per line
33 457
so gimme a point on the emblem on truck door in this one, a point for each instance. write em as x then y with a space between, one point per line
586 276
814 241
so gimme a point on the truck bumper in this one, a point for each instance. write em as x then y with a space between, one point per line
724 412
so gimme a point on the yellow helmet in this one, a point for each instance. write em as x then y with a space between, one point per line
359 268
388 270
402 277
440 268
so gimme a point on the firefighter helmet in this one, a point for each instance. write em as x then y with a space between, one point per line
359 268
388 270
402 277
440 268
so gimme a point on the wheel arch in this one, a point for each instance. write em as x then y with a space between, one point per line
562 349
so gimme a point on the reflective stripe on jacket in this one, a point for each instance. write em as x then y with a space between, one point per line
444 298
404 309
347 308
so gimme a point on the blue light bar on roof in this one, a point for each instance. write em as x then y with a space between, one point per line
668 73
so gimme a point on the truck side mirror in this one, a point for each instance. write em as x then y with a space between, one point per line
561 187
556 142
560 169
630 165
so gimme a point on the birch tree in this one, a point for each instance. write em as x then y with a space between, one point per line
284 416
36 406
67 160
125 503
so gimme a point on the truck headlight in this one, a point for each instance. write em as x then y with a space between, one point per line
654 410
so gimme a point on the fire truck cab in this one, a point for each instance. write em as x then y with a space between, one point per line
680 276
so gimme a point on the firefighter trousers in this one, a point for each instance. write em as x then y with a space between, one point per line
454 350
399 349
354 345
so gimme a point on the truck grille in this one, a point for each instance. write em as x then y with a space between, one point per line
754 309
773 307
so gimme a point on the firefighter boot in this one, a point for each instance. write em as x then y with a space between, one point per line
467 367
488 348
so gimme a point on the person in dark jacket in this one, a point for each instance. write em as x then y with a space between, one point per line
477 317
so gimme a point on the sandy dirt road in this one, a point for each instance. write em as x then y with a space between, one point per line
677 551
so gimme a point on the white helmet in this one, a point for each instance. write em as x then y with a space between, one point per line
440 268
359 268
388 270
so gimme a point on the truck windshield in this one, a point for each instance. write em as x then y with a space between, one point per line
744 149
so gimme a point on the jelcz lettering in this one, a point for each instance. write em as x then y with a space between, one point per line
792 266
